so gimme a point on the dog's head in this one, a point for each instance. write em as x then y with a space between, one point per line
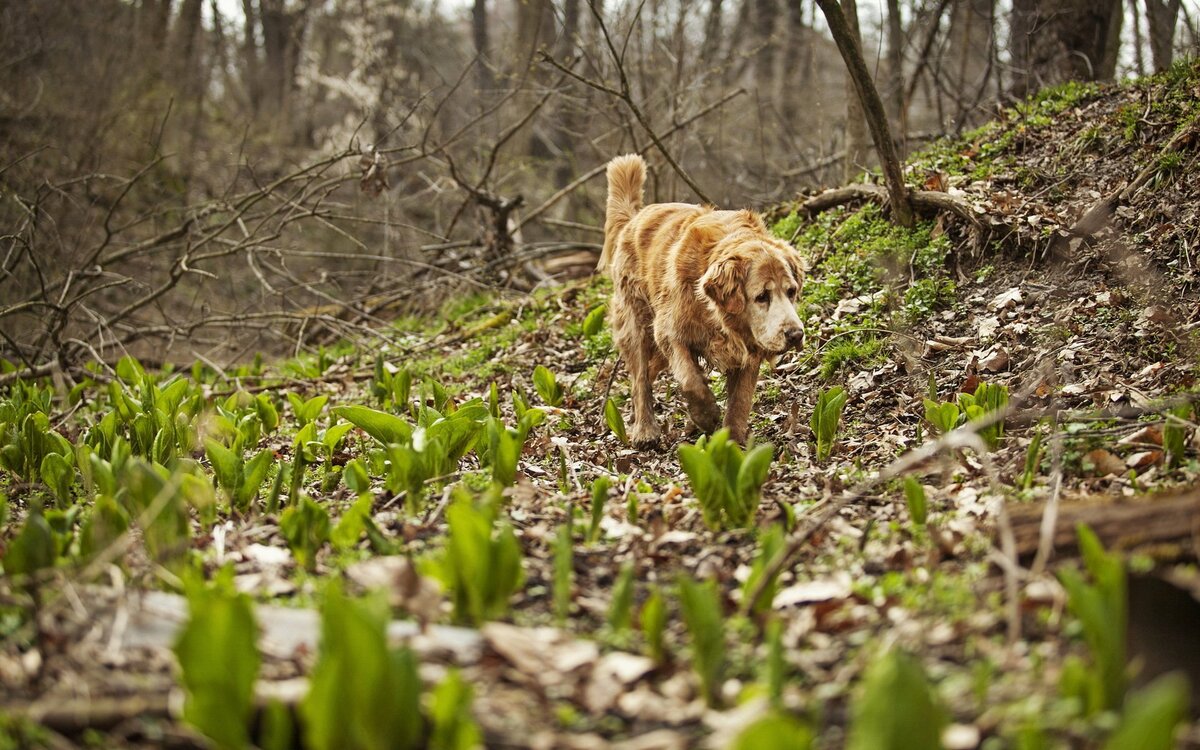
753 282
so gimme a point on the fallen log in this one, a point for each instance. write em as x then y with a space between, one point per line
1160 519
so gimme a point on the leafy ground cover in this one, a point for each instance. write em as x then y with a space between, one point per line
569 591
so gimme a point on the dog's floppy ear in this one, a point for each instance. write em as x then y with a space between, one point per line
723 282
797 264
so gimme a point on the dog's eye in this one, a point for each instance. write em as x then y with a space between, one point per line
791 293
764 297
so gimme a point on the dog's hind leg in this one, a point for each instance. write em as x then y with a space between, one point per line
701 404
644 363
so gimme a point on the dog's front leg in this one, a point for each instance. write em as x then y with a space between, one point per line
740 384
701 404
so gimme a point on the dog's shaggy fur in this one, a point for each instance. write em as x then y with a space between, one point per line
691 282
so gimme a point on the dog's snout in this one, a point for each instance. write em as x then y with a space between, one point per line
795 338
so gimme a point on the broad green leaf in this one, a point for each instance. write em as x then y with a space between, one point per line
620 609
756 465
267 413
309 410
943 416
770 543
654 625
254 473
563 572
614 420
332 437
481 563
826 416
227 466
355 476
599 498
103 526
775 666
362 696
458 433
130 370
1151 715
453 727
895 709
504 453
701 606
494 400
914 495
775 731
594 321
352 524
155 500
305 526
384 427
278 729
33 549
1100 607
700 471
219 660
727 482
58 474
547 386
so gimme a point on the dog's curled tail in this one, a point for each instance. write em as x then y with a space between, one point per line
626 176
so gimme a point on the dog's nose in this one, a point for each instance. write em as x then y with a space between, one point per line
795 338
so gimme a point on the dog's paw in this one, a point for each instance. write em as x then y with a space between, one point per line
644 438
650 443
707 417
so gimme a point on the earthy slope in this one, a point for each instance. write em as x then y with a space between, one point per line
1093 336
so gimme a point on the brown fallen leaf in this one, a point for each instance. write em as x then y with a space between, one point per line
1007 299
995 360
1147 435
971 377
1144 459
612 676
407 589
546 656
1105 463
811 592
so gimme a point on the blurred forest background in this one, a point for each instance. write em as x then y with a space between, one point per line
215 178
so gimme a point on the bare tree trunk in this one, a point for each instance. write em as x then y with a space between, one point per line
856 128
566 124
1070 40
283 32
895 64
712 31
251 65
970 29
765 13
1112 43
845 39
1161 16
791 90
153 19
1139 55
479 35
185 41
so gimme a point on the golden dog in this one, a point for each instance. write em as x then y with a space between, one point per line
691 282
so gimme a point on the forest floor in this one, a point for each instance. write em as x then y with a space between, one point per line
1095 339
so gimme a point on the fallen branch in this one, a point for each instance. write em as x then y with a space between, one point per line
1152 519
932 200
